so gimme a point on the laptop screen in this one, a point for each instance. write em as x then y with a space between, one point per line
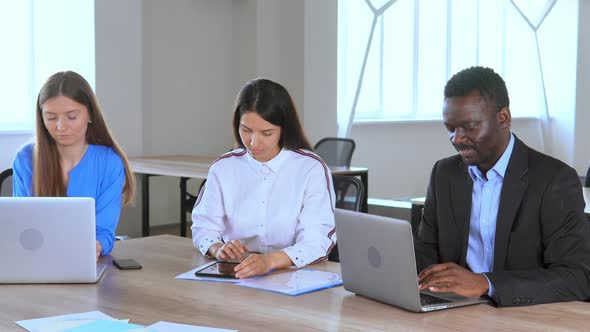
51 239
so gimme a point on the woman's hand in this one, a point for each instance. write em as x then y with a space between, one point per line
258 264
231 250
254 265
98 250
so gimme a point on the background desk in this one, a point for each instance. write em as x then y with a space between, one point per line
183 167
197 167
416 212
152 294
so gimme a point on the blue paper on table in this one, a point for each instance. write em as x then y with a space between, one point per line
175 327
105 325
295 282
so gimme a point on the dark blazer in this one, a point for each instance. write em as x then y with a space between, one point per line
542 246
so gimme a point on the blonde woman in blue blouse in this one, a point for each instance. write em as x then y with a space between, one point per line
74 155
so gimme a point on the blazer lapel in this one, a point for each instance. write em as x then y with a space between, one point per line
461 189
513 188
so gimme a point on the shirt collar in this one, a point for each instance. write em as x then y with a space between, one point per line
274 164
499 167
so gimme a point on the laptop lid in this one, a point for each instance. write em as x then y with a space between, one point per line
47 240
377 261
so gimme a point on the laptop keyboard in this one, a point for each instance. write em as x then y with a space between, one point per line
426 299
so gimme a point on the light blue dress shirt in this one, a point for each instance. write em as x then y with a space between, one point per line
485 201
100 174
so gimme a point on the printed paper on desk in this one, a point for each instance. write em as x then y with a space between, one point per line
175 327
66 321
295 282
190 275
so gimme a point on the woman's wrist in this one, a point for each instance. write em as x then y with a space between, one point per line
214 249
278 260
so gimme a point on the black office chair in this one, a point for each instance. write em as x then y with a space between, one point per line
187 203
335 151
587 184
350 193
5 175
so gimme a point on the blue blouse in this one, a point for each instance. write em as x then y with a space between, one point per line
100 175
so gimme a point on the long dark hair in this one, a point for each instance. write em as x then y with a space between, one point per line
273 103
47 174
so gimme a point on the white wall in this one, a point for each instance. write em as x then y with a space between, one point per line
320 68
582 117
188 89
9 145
119 72
400 155
279 44
244 43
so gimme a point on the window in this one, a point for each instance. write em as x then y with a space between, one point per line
394 57
39 39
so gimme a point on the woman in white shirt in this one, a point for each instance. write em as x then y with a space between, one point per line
272 196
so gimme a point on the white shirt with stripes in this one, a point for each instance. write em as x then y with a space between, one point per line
284 204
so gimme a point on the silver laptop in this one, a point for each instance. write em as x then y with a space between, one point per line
48 240
377 261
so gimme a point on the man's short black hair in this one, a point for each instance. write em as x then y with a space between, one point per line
482 79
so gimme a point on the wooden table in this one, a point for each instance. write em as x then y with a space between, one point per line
152 294
197 167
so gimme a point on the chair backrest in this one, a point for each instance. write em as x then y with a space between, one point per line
350 193
587 184
335 151
191 200
6 190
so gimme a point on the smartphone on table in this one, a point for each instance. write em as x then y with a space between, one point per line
126 264
219 269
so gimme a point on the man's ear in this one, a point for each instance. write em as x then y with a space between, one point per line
504 118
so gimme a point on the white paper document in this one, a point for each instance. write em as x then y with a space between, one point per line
295 282
290 282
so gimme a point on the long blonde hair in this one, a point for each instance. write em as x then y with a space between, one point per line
47 174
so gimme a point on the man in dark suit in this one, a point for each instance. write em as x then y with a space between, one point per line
500 219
